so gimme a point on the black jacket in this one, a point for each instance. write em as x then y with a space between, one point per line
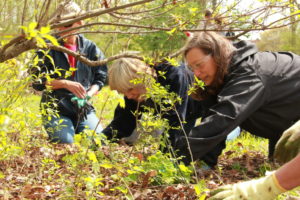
261 94
178 80
84 74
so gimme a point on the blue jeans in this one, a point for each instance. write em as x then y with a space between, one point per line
234 134
62 129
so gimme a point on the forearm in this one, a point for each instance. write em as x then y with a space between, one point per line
93 90
57 84
76 88
289 174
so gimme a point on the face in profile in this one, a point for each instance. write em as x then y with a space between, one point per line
136 94
202 65
62 28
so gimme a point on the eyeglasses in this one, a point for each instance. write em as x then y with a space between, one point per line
199 64
68 26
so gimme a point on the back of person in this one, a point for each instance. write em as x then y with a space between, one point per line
280 75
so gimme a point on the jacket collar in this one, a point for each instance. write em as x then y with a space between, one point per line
79 42
243 50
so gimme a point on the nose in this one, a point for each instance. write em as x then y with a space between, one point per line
129 95
197 73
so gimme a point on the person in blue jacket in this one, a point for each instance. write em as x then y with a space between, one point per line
69 92
258 91
121 75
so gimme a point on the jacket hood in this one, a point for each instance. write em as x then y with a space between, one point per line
243 50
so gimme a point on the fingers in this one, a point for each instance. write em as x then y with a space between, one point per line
222 193
288 145
76 88
216 191
291 152
280 149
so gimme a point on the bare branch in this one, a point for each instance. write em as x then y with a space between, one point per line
10 43
83 59
115 24
142 11
109 32
97 13
24 13
142 18
16 49
45 14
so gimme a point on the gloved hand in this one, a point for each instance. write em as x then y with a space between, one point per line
288 145
265 188
82 107
80 102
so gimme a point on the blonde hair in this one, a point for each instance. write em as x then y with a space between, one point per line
124 70
220 49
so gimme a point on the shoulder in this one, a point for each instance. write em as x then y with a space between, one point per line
83 41
174 76
167 68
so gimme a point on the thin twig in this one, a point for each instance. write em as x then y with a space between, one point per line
96 13
89 62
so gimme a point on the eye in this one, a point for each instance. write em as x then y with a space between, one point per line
199 65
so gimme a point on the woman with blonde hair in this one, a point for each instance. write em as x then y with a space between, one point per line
123 71
133 78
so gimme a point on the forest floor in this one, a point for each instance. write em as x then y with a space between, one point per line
32 168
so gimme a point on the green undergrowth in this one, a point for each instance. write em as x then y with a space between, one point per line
32 168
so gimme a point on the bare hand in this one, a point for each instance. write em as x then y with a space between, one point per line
76 88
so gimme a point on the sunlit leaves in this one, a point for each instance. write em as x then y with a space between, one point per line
197 84
40 35
172 31
193 11
172 61
91 155
200 189
106 165
122 102
148 60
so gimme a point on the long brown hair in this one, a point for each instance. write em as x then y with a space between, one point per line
220 49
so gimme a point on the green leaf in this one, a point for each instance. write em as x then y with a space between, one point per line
121 189
172 61
52 39
92 157
106 165
24 28
45 30
122 102
184 169
41 42
197 188
171 31
32 26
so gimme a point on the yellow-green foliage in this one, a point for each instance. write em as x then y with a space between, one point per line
19 116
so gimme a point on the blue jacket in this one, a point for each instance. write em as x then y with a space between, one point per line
84 74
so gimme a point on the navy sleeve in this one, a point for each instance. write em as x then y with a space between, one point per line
100 72
124 121
177 79
44 65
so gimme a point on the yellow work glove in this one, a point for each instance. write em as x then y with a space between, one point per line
265 188
288 146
